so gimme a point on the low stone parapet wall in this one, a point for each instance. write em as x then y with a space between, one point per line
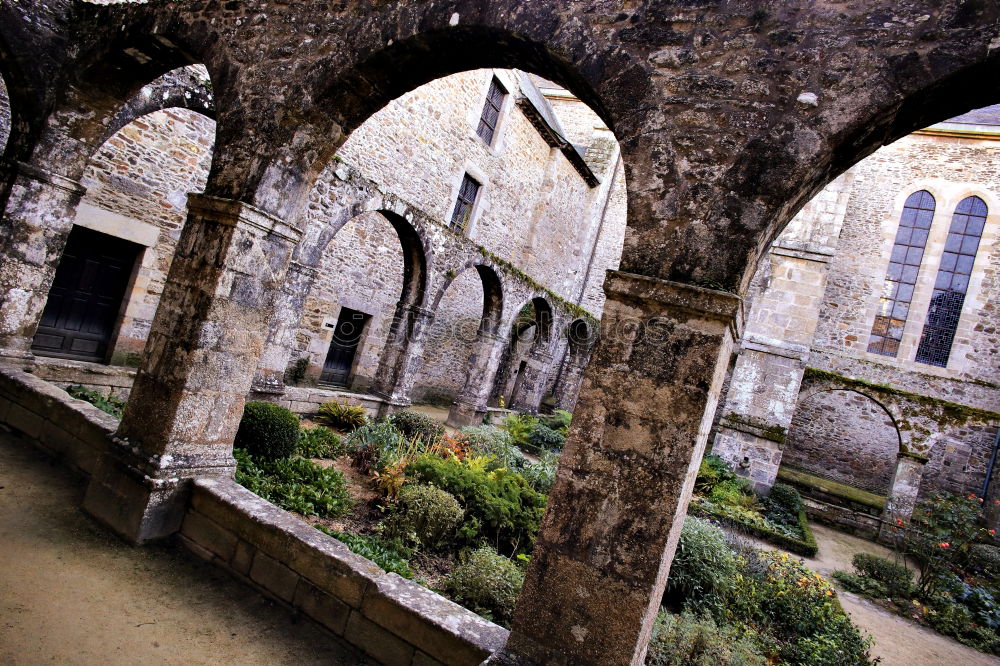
394 620
108 380
72 430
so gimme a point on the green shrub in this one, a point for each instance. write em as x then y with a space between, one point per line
542 474
267 431
734 492
558 420
543 438
390 554
375 446
985 558
500 506
686 640
519 426
341 415
107 404
488 584
896 578
852 582
425 516
414 424
703 563
712 471
296 371
319 442
496 443
294 484
837 643
782 505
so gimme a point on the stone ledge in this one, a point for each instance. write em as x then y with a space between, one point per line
709 303
390 618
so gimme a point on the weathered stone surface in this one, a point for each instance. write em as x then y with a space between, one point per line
376 641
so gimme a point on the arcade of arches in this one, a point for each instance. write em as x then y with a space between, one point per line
273 207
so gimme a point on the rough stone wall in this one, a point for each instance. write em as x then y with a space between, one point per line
958 461
362 269
846 437
950 169
4 115
144 172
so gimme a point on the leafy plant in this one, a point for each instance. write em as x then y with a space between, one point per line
519 426
374 446
543 438
542 474
687 640
319 442
425 516
413 424
500 506
559 421
294 484
390 554
488 584
107 404
296 371
896 578
712 471
341 415
267 431
495 442
703 562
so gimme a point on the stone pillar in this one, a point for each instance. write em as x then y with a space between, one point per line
568 387
403 356
905 487
197 367
615 514
531 383
270 375
36 222
764 388
471 405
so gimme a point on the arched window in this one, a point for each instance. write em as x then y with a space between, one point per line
904 264
952 282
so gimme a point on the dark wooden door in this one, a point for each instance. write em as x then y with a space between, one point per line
343 347
86 296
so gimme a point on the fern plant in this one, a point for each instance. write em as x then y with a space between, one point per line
342 416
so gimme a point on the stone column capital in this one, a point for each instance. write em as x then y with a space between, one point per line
298 269
645 291
36 173
237 213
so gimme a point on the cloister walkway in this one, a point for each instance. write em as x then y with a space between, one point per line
72 593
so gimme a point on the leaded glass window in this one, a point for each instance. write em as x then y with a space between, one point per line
904 265
952 282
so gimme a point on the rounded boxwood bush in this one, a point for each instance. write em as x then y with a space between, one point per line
544 438
425 516
267 431
415 424
488 584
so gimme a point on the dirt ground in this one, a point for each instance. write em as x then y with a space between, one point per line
70 593
898 641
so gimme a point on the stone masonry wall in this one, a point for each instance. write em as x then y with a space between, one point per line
4 115
846 437
951 169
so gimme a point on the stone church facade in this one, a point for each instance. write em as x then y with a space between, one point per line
869 366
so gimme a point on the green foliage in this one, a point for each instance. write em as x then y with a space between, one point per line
341 415
390 554
294 484
414 424
542 474
426 517
896 578
500 506
687 640
296 371
543 438
852 582
713 470
782 505
985 559
734 492
703 562
497 443
375 446
319 442
519 426
108 405
558 420
267 431
488 584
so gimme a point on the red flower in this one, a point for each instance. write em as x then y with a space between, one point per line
993 532
899 521
944 544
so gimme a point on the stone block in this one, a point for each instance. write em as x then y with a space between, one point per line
209 535
26 421
384 646
274 577
322 607
439 627
242 558
421 659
